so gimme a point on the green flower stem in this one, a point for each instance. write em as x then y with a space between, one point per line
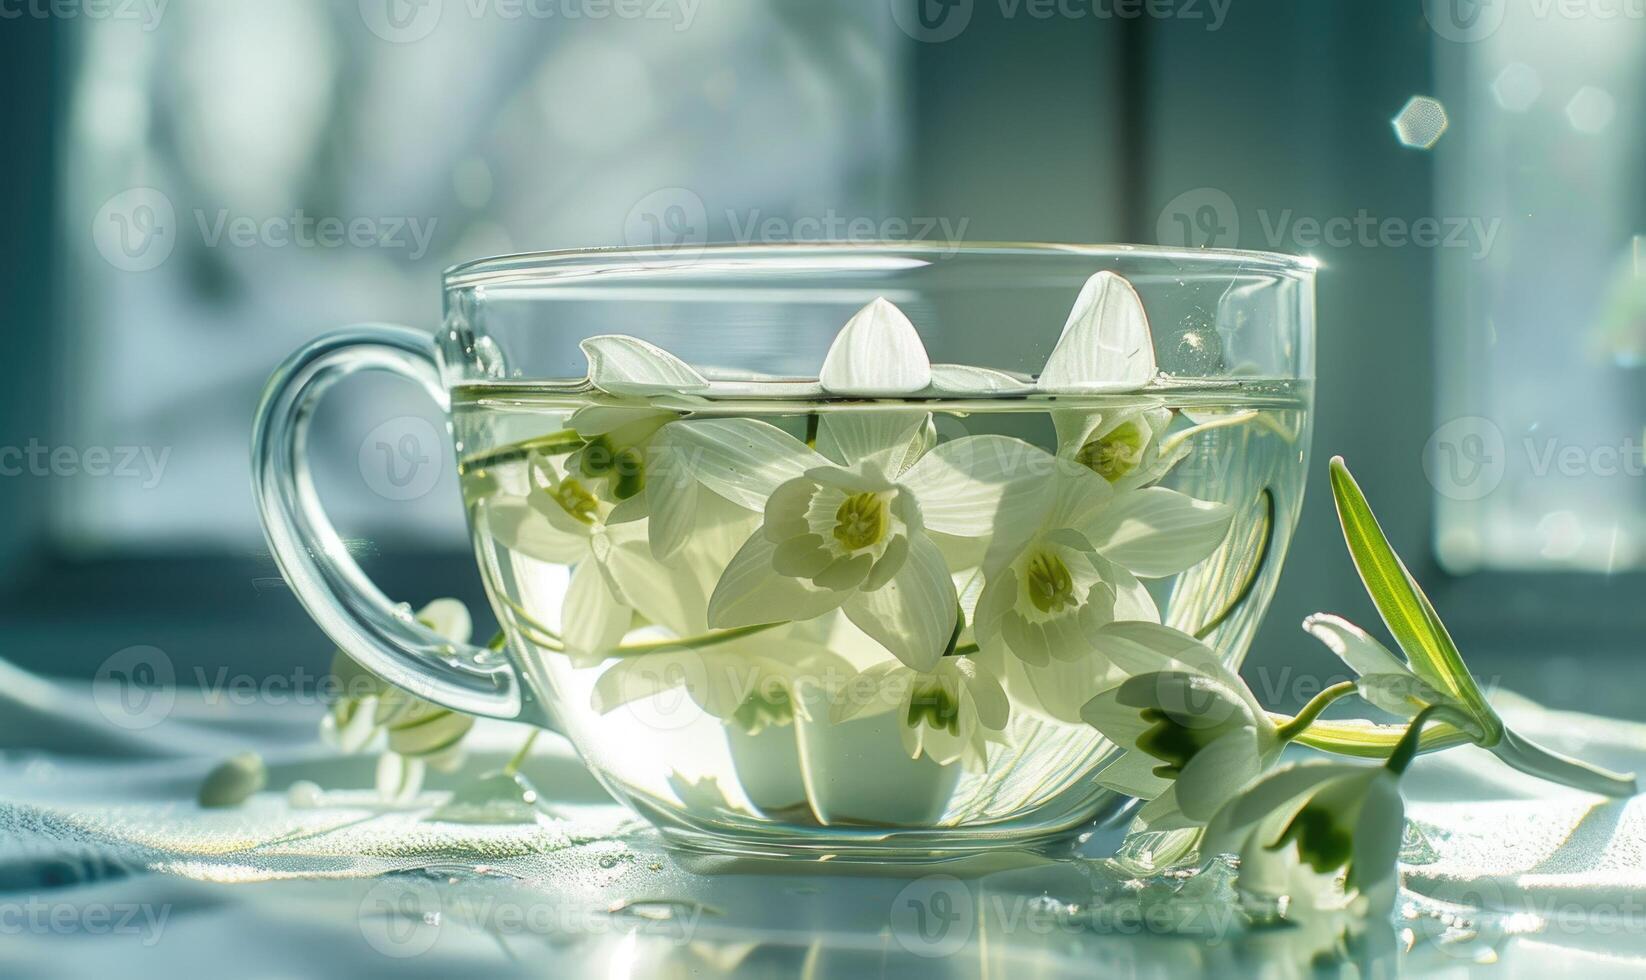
1258 561
1292 729
552 444
520 756
498 641
1406 749
697 642
1367 741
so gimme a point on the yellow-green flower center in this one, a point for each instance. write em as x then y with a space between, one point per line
575 500
861 521
1116 454
1051 587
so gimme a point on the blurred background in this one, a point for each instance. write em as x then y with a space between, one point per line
193 188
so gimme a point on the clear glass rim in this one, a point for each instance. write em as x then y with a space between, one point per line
525 267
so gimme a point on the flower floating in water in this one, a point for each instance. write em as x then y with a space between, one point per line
948 713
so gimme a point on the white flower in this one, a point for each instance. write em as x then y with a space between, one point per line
1106 344
1191 730
848 537
1077 564
557 518
1330 817
1128 448
947 713
420 734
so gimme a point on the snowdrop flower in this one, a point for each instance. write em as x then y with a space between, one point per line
1432 674
557 518
848 525
1128 448
419 734
948 713
1191 731
1078 564
1331 817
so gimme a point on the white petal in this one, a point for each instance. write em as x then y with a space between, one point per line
880 688
449 618
1133 774
750 592
1358 650
1106 344
960 484
399 778
716 684
1142 648
963 379
1120 723
1156 532
1403 694
673 511
630 366
877 352
988 698
913 615
522 528
740 459
592 619
1164 813
1378 834
891 439
1062 688
1217 773
1283 788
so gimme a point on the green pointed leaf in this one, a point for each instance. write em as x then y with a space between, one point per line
1405 609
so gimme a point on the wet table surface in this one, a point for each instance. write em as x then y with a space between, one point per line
108 866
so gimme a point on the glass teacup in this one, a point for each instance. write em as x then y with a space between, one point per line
813 549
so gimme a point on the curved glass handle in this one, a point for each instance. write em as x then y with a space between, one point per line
382 636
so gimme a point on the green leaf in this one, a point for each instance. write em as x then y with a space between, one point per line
1404 608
